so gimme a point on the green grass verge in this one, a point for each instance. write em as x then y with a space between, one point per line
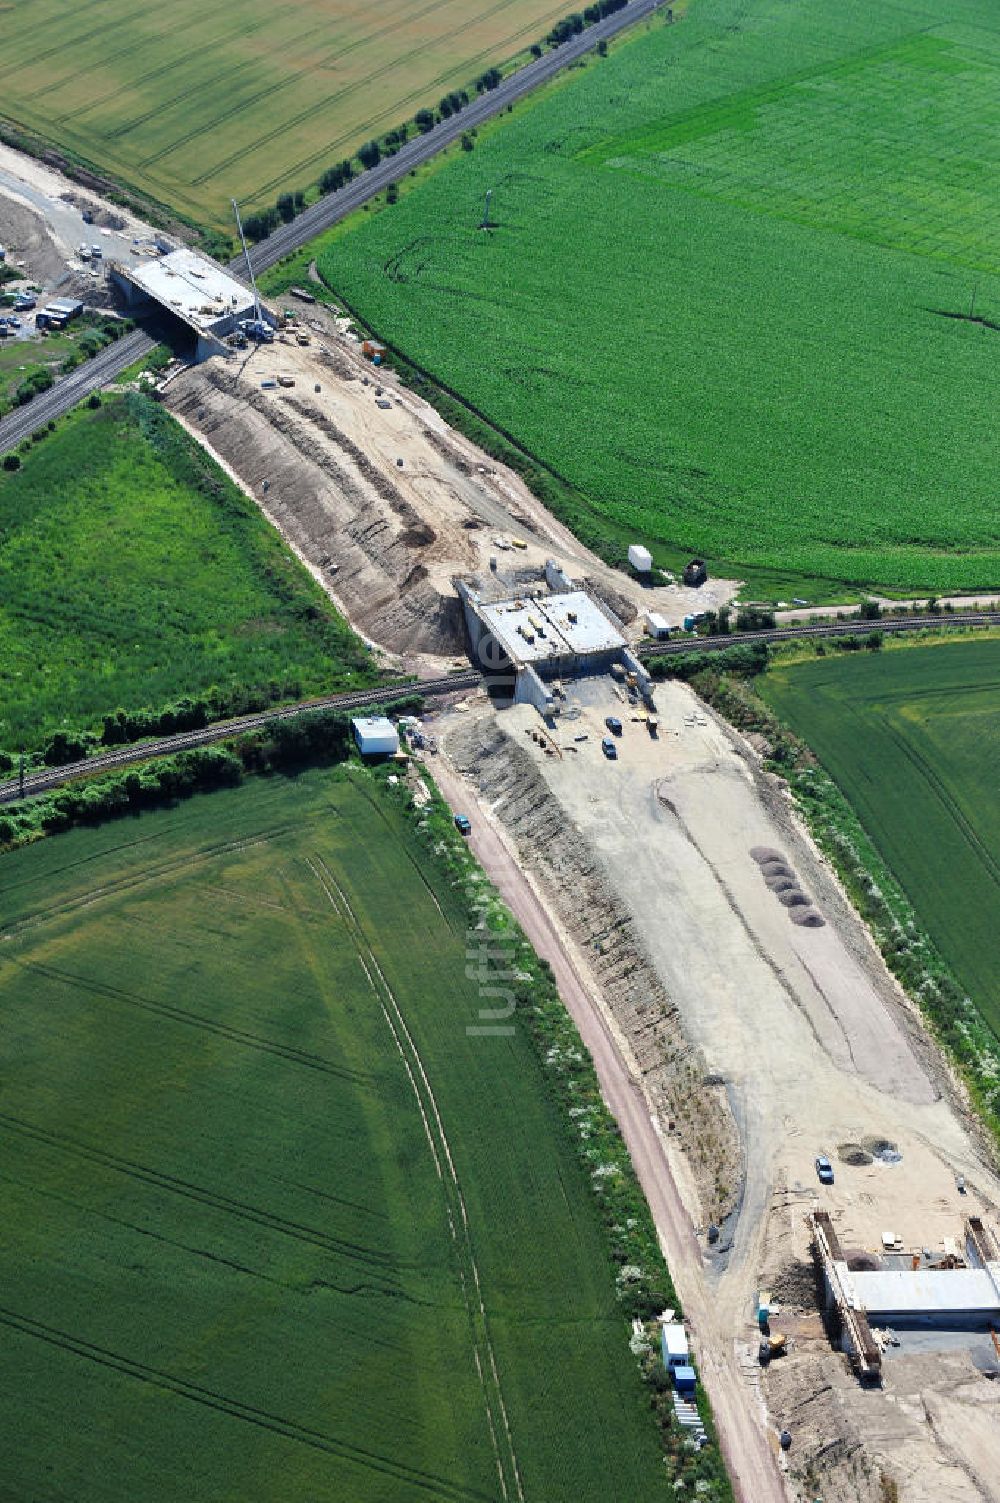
227 1227
751 359
134 572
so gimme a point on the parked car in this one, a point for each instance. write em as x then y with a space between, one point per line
23 302
614 725
13 322
824 1170
463 824
609 749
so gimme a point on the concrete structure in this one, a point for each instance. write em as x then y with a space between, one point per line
375 736
208 301
538 636
951 1298
558 634
909 1291
674 1342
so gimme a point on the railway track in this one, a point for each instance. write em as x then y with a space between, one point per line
323 214
43 780
888 625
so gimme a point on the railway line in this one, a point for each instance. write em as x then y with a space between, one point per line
325 213
42 780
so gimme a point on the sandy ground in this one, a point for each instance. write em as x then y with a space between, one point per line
390 536
816 1044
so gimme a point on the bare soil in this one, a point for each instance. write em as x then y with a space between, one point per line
388 537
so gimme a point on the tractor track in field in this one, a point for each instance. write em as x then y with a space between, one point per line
508 1468
438 1487
376 1262
240 1036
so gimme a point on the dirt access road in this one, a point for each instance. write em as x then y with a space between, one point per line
750 1457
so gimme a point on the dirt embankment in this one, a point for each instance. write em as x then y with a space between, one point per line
338 508
674 1074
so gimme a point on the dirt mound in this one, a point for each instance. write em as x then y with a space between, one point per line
775 868
616 602
807 918
796 1284
859 1261
853 1153
796 898
876 1145
782 881
762 853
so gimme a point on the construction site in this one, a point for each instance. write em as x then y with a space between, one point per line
698 933
742 1021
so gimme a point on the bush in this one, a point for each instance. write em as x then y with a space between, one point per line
12 462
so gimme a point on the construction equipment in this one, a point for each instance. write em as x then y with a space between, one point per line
257 327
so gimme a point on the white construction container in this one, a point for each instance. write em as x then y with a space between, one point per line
376 736
675 1346
640 558
657 626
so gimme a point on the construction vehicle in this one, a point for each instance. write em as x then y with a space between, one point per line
771 1347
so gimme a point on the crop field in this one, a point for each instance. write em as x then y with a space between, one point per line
258 1177
742 289
132 572
198 103
912 737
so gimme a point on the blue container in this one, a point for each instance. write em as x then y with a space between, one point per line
376 360
684 1379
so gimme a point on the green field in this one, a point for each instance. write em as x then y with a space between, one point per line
257 1176
912 737
195 104
727 287
133 572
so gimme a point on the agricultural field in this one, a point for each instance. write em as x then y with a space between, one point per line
133 572
258 1176
912 737
741 288
196 104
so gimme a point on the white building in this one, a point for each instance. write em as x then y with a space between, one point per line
657 626
375 735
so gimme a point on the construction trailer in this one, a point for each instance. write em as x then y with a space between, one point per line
657 626
375 735
674 1345
58 313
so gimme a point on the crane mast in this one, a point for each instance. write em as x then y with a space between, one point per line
253 285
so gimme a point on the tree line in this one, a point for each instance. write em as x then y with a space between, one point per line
262 222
